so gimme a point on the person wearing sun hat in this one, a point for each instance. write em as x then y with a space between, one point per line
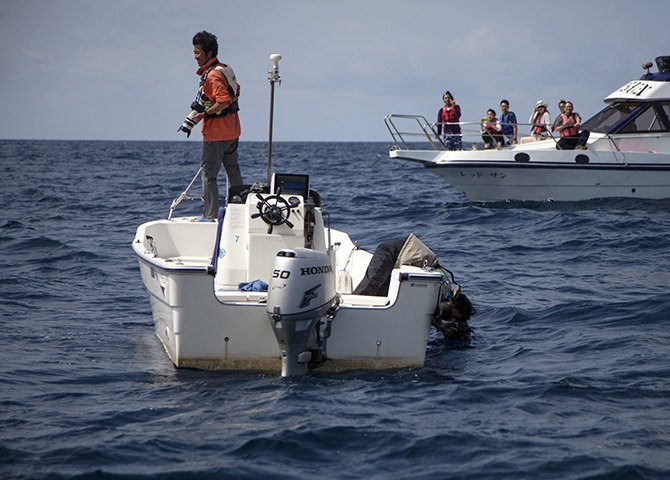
540 121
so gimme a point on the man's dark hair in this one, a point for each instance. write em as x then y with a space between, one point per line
207 42
504 100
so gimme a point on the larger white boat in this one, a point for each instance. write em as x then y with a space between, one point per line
270 286
627 154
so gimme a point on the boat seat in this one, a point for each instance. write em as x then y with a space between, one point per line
364 301
241 296
532 139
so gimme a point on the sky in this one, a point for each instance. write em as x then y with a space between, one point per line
124 69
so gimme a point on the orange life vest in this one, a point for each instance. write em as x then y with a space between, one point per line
450 115
571 130
539 128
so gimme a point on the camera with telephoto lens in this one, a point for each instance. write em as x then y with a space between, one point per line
189 123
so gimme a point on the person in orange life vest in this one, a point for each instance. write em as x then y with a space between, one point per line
540 120
448 114
491 130
567 124
508 122
221 123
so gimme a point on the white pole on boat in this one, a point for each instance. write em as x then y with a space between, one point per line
273 76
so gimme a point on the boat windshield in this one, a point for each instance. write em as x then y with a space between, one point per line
631 117
603 121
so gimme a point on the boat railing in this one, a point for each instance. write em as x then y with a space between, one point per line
616 150
421 130
406 129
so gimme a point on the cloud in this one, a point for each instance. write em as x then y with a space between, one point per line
345 65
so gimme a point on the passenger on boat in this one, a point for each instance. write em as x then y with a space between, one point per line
567 124
218 95
561 106
491 130
447 122
508 122
540 120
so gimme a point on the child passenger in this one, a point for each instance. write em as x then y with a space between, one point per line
491 130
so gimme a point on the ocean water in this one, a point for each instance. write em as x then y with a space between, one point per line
567 374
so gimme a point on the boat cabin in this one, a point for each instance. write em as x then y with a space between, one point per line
640 106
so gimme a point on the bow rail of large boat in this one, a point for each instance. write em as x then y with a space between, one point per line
422 130
408 130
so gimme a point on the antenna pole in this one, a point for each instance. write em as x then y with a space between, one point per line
273 77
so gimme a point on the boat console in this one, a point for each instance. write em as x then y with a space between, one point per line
258 224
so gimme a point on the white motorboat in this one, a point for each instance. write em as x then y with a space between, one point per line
269 286
627 154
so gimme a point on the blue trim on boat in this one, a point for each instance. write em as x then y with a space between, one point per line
658 76
552 166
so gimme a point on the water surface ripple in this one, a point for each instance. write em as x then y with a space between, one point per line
566 376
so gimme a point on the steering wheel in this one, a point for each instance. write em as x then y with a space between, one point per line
273 210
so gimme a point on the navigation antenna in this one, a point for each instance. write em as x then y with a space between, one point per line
273 76
647 65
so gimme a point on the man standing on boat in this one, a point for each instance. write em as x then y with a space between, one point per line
218 94
447 121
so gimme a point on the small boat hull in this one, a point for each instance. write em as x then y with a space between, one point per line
205 325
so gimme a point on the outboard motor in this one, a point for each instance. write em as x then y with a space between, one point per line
300 292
